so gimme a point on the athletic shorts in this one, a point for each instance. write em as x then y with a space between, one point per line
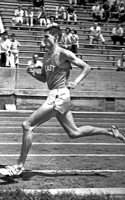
60 99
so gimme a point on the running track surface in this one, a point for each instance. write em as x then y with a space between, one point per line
56 161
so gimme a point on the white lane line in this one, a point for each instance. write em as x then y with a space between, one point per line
76 172
69 172
75 112
20 134
44 126
76 116
65 155
40 134
16 120
16 111
64 143
51 125
81 191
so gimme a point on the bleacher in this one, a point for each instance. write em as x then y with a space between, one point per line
31 39
102 90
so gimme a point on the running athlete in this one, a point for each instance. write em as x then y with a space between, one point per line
55 71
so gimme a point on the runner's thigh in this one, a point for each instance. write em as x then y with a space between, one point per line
41 115
67 122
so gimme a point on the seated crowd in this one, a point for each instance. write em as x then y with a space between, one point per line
107 11
9 48
42 16
117 34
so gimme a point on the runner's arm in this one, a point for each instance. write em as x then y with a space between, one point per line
39 76
71 57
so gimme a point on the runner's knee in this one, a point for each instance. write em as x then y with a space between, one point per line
73 134
26 126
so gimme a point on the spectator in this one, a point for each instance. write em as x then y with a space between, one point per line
41 16
71 13
29 16
18 16
95 34
38 3
102 14
48 15
71 2
14 57
75 41
42 46
117 34
35 62
52 22
121 10
81 3
66 41
114 10
106 7
5 44
96 11
121 63
60 11
1 26
120 2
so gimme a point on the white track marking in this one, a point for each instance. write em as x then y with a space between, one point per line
65 155
64 143
76 112
40 127
76 172
34 133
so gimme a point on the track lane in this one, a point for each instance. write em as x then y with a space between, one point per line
13 134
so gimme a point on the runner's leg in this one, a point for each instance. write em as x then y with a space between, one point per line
67 122
44 113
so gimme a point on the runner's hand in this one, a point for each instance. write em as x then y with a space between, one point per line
71 85
31 70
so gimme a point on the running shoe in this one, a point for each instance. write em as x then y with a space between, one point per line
117 134
14 170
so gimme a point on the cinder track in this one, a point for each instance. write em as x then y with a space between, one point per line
55 161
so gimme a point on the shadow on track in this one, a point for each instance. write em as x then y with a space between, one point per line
28 174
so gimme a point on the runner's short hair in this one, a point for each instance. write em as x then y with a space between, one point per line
54 30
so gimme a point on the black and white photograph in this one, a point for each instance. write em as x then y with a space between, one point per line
62 99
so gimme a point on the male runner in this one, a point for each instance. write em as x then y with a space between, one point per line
55 71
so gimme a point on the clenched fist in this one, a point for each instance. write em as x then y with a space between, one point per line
71 85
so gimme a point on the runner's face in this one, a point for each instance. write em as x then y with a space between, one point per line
48 40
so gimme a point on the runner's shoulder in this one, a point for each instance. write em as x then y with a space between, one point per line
66 53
